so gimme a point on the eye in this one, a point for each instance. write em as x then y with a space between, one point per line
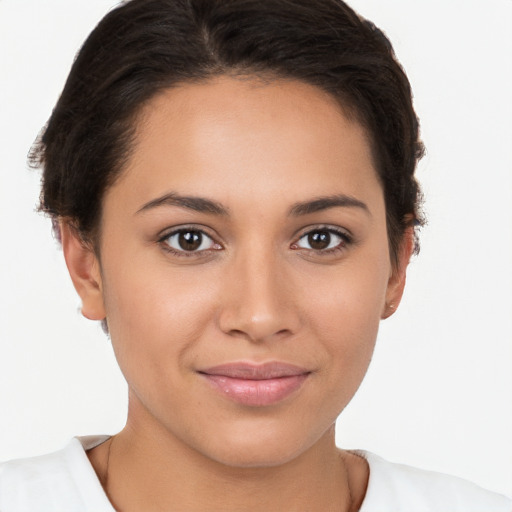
188 241
322 239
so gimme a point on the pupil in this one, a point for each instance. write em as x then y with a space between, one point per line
190 240
319 239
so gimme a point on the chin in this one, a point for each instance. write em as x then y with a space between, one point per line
254 457
260 447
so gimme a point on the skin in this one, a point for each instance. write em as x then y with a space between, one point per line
255 291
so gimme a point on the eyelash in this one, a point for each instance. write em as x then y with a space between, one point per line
164 242
346 240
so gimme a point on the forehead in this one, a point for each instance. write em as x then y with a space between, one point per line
246 137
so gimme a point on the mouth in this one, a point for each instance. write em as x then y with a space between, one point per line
256 385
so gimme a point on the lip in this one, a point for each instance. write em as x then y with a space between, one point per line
256 385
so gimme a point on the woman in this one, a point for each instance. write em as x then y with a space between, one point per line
233 186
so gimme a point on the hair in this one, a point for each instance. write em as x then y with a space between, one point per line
145 46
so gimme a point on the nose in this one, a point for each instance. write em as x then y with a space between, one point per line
258 300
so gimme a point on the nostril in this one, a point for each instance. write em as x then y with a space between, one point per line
260 314
238 333
256 335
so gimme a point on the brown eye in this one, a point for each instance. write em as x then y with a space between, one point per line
319 240
189 240
323 240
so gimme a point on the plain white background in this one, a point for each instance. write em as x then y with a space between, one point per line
439 391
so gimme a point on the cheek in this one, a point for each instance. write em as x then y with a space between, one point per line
349 300
344 312
157 314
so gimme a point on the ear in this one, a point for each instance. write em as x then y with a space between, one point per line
84 269
397 278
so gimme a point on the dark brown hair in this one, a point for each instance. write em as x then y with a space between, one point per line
145 46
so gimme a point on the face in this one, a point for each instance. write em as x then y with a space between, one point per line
244 268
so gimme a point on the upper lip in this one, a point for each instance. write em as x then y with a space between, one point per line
255 371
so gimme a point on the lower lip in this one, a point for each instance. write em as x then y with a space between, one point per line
256 392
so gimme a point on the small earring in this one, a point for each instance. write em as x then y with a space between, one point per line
391 306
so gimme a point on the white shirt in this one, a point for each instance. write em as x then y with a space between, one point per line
65 481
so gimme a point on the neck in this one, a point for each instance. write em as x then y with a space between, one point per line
147 473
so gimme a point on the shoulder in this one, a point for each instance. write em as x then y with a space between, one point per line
60 481
400 488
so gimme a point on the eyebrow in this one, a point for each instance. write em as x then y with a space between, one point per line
326 202
197 204
203 205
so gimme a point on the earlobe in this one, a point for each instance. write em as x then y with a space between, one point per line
396 283
84 269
